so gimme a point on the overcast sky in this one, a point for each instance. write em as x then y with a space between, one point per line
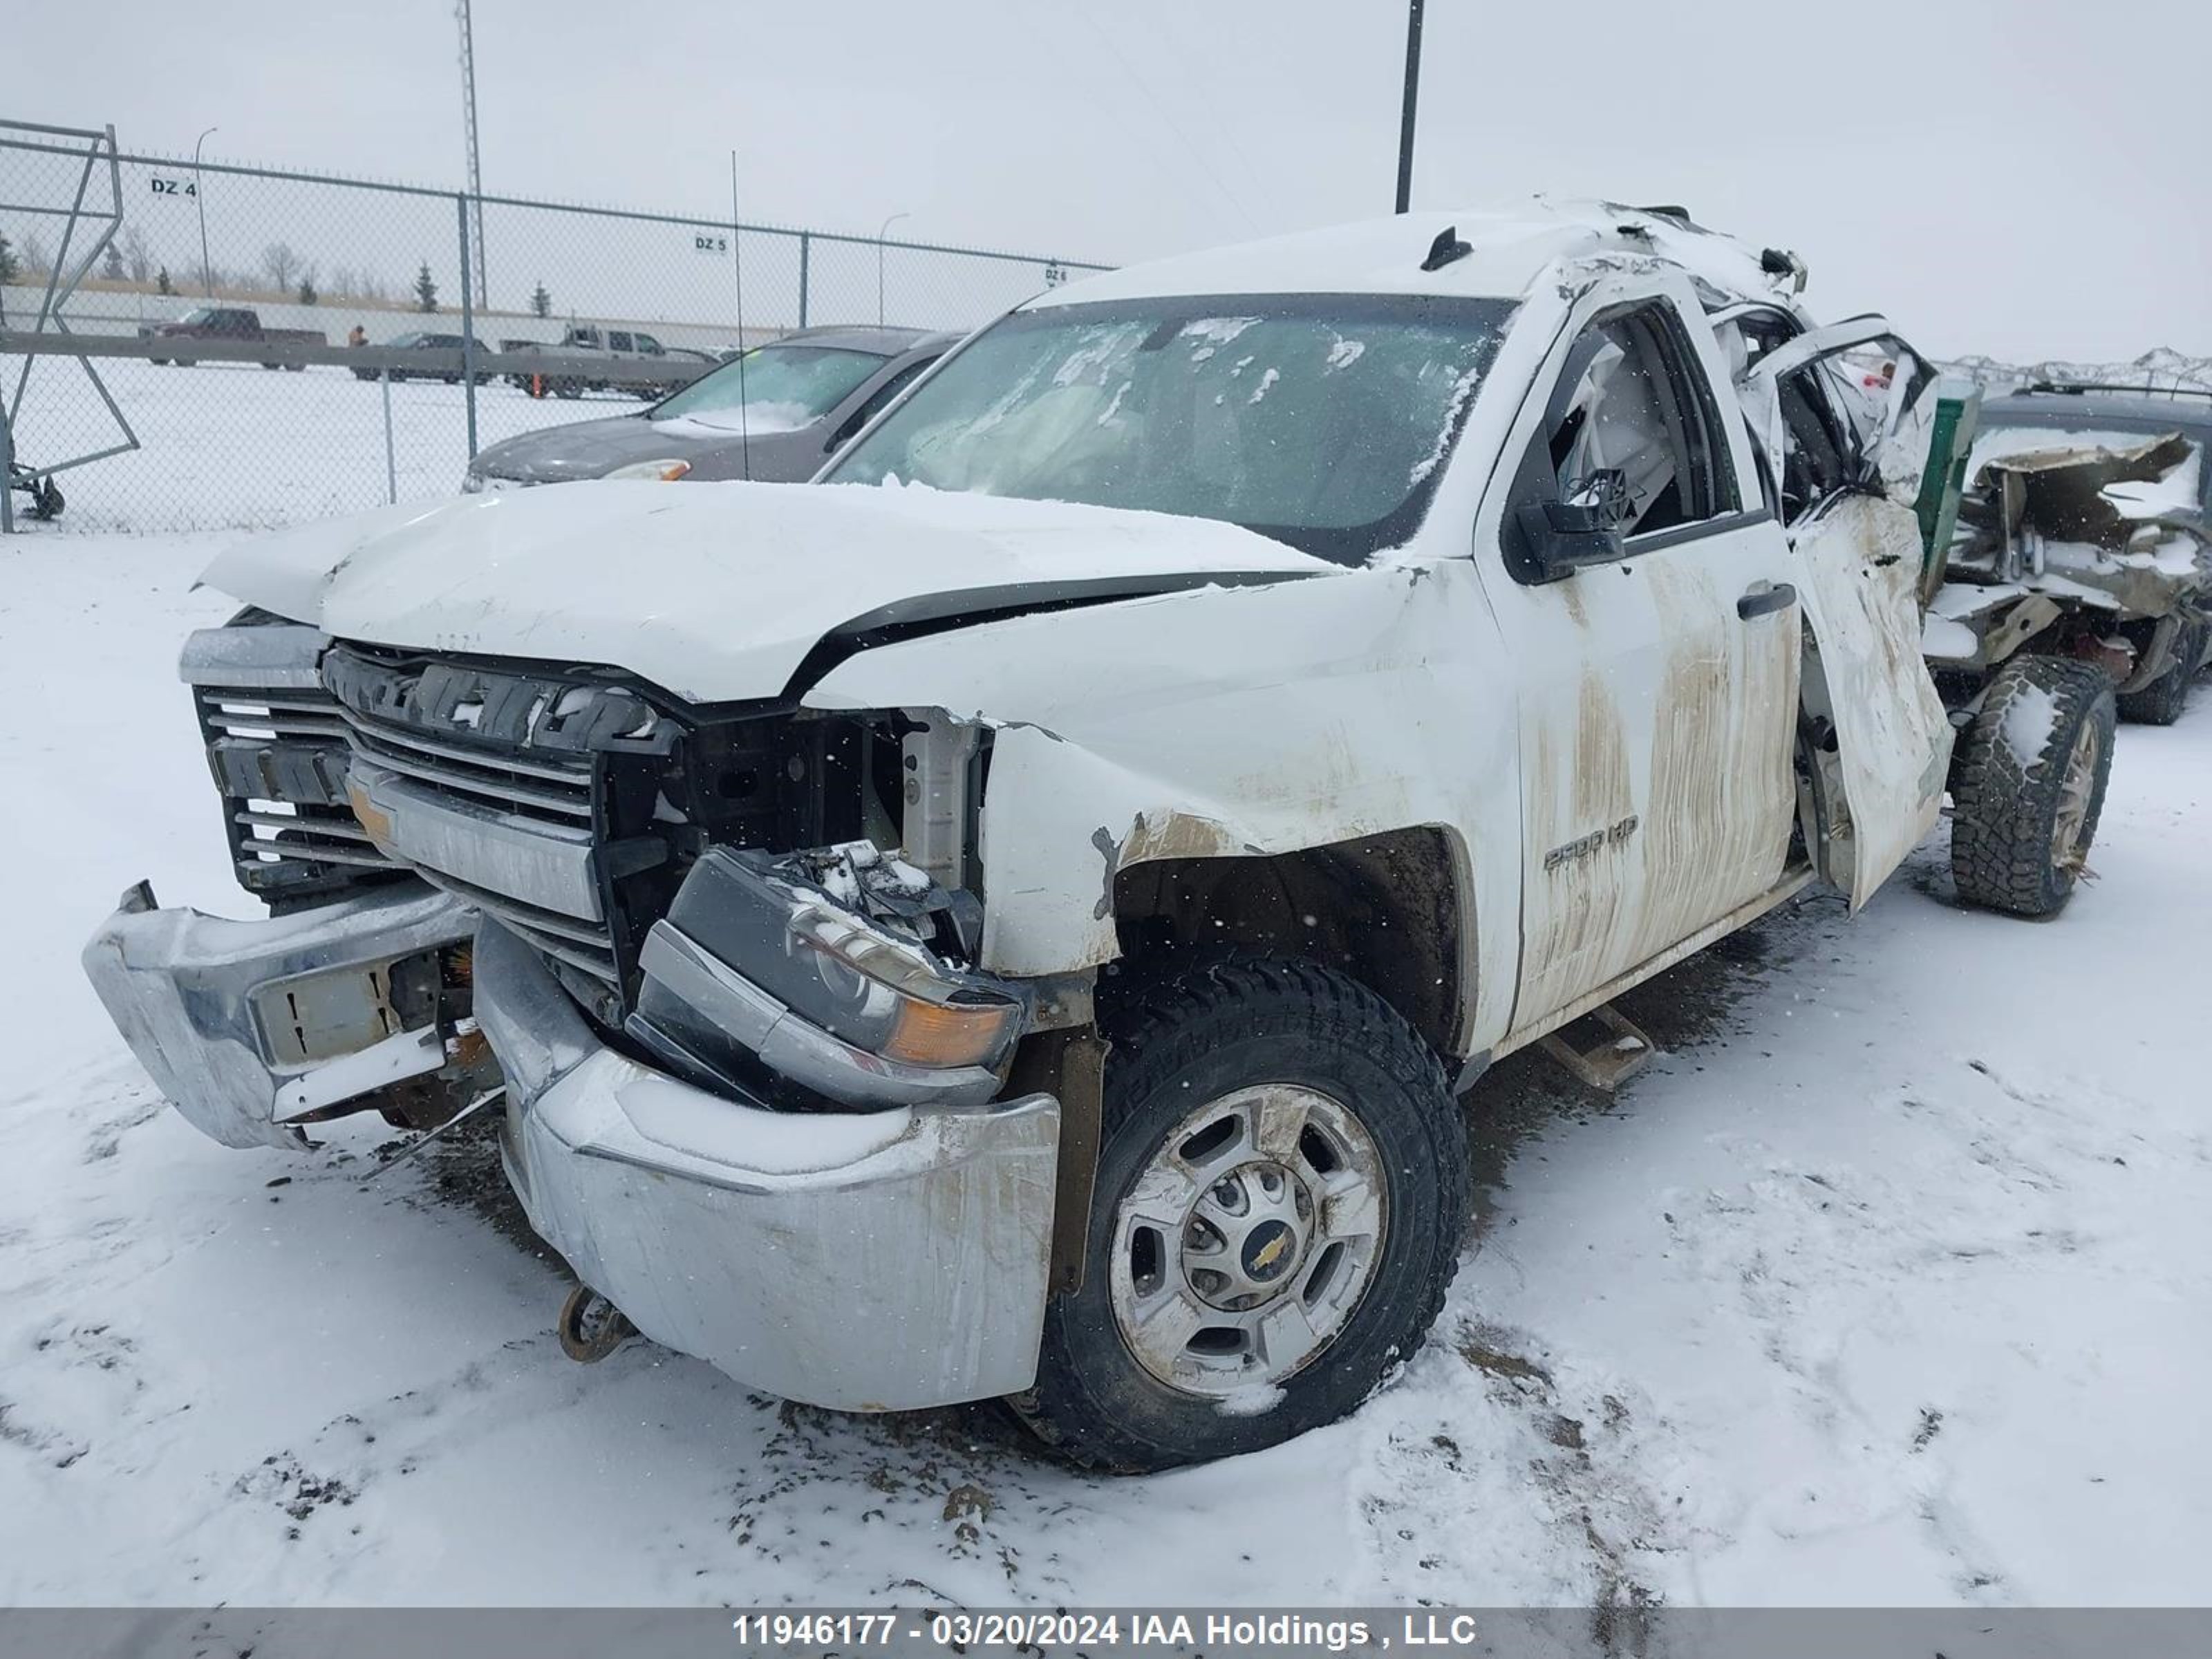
2023 178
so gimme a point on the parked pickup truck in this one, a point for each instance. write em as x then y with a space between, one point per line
232 325
615 345
1014 916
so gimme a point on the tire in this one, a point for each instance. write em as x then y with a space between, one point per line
272 367
188 362
2161 702
1242 1043
159 362
2022 823
294 368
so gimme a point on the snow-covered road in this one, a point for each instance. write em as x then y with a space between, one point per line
1889 1286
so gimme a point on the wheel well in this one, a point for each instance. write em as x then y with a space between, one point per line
1386 909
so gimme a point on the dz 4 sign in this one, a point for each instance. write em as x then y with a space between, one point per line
174 186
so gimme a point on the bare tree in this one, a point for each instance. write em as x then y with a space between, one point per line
37 260
281 265
137 255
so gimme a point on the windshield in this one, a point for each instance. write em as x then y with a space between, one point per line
1320 420
198 314
780 388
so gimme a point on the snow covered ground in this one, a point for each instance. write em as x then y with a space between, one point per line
1887 1285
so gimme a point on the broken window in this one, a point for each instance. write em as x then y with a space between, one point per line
1631 420
1819 454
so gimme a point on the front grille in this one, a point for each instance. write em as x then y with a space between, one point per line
520 772
279 755
513 747
560 793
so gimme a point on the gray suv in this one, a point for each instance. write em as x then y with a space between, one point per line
774 415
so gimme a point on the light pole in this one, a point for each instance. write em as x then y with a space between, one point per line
880 234
469 133
200 200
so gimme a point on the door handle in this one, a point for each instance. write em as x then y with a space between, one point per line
1763 598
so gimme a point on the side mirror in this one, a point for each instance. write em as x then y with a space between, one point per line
1584 529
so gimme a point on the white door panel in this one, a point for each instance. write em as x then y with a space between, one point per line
1859 555
1656 719
1859 562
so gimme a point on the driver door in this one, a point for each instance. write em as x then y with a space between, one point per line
1657 686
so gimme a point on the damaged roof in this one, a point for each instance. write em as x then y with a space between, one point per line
1511 250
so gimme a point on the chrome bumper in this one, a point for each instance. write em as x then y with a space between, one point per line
863 1261
244 1024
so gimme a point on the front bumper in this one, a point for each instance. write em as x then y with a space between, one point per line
244 1025
862 1260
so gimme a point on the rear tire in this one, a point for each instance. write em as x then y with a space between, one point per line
2161 702
2029 786
1281 1188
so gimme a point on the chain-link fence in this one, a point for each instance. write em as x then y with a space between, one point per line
259 346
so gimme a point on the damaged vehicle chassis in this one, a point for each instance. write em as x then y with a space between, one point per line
1020 929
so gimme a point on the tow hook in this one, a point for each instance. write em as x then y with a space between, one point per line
590 1327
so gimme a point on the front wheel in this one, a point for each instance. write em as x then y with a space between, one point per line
2029 786
1281 1186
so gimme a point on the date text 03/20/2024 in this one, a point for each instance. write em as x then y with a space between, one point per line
965 1631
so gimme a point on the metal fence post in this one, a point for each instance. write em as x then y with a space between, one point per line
7 472
391 462
468 327
806 248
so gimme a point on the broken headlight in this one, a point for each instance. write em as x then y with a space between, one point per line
784 963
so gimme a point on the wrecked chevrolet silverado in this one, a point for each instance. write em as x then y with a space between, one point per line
1011 917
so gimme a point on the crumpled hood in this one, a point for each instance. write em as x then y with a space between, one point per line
715 591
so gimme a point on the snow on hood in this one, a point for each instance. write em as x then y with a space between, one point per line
715 591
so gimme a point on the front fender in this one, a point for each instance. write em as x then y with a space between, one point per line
1220 722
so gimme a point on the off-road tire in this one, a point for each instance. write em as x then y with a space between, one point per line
2161 702
1186 1034
2005 806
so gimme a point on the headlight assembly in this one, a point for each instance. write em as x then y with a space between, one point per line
666 472
756 960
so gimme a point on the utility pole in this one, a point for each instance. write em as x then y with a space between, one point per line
1413 92
469 132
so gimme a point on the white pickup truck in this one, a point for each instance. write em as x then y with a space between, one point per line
1013 917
